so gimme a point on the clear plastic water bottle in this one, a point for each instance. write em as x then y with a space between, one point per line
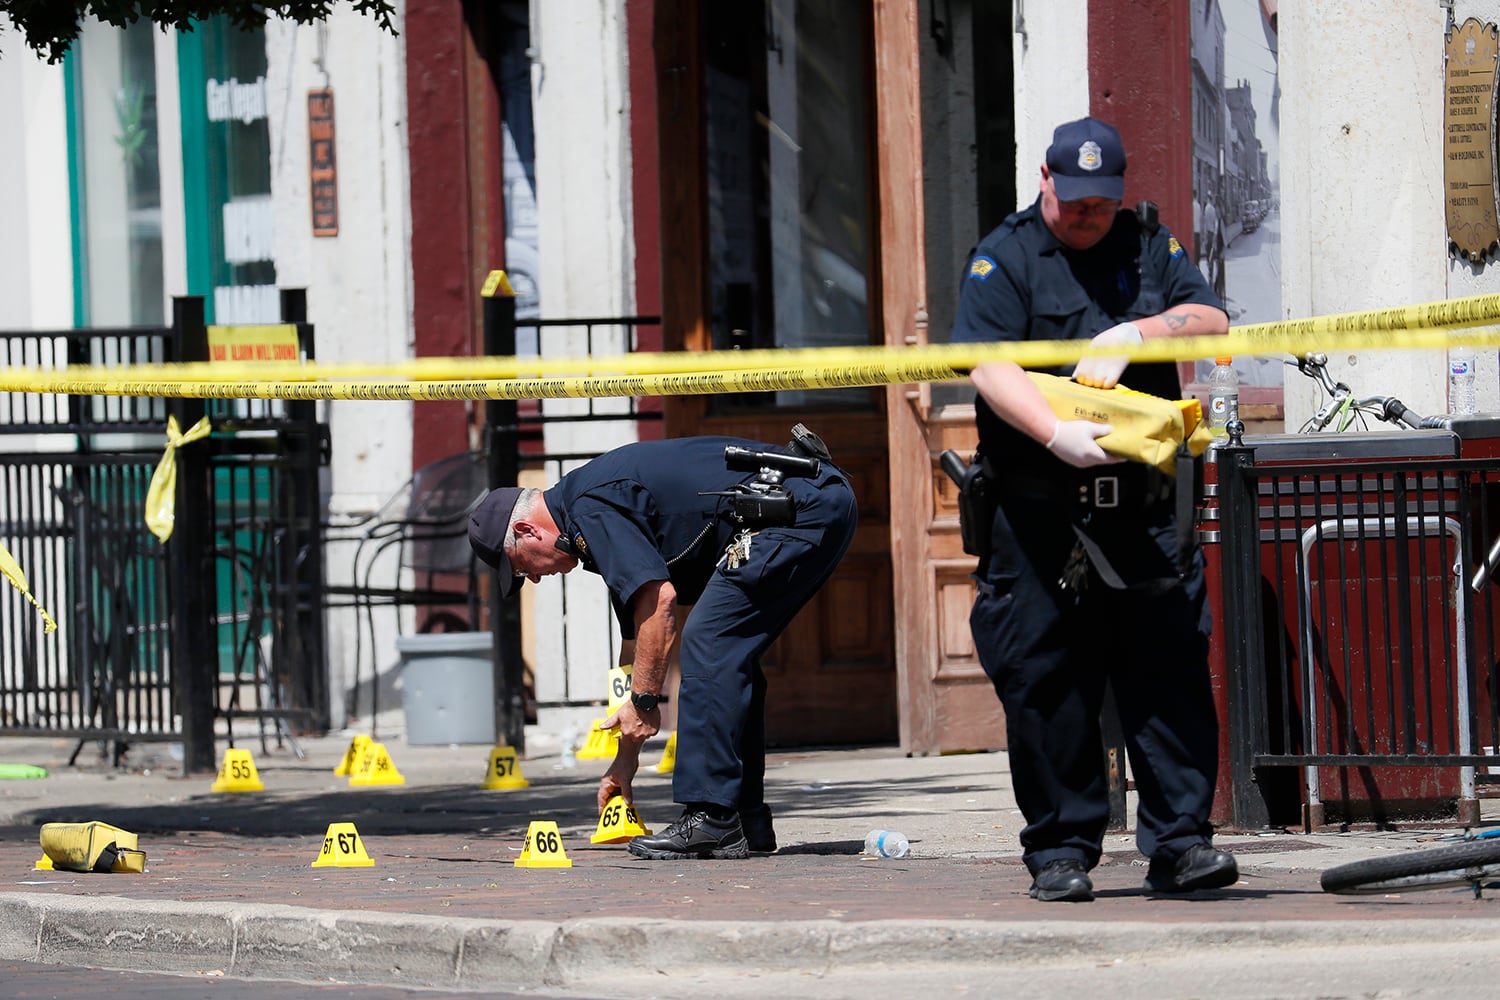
1461 380
885 844
570 747
1223 398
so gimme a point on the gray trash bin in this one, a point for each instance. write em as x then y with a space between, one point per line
448 687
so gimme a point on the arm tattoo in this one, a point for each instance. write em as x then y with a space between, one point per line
1176 321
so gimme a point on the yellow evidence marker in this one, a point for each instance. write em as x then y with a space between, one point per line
668 762
237 773
352 756
342 848
618 823
601 744
619 685
375 768
543 847
504 770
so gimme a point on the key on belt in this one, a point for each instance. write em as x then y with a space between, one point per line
1075 572
738 551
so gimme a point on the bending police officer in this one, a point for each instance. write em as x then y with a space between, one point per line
669 524
1086 579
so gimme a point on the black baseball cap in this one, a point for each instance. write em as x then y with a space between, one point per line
488 525
1087 160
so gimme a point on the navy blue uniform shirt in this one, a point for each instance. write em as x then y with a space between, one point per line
635 515
1023 284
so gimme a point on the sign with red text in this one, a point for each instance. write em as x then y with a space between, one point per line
322 165
253 343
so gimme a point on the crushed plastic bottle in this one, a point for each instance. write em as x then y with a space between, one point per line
885 844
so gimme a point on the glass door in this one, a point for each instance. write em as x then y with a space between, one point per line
787 110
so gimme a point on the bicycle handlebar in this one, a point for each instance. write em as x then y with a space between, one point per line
1387 408
1315 367
1393 410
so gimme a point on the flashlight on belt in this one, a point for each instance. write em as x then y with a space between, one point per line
762 502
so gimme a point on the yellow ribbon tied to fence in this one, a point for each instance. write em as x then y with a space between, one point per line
12 572
161 497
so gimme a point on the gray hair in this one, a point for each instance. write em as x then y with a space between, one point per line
526 502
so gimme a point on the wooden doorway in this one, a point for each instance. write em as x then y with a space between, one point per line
947 702
768 239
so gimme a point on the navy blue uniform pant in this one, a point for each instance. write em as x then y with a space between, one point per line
1050 651
721 730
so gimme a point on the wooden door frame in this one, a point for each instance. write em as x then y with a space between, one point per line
945 700
903 291
683 188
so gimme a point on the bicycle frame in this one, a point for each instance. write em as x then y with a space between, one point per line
1348 408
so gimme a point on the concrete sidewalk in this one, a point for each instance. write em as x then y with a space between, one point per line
229 884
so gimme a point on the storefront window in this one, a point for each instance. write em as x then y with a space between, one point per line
227 172
116 187
789 179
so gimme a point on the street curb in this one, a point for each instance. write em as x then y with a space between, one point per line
276 941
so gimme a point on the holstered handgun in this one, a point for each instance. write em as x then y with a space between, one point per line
976 502
805 442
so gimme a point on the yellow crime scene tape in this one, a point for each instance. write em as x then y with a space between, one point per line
12 572
1427 325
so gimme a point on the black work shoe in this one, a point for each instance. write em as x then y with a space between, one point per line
1063 881
759 833
696 834
1202 866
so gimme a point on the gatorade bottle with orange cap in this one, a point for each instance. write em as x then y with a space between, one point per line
1223 398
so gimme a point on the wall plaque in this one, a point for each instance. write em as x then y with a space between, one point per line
1469 141
323 178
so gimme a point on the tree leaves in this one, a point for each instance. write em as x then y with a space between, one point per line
51 26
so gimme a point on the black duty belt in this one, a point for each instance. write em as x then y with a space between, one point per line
1138 488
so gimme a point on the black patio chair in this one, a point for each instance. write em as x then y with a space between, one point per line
426 522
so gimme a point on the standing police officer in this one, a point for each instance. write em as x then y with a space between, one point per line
669 523
1086 579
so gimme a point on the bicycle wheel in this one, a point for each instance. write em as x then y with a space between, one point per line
1460 864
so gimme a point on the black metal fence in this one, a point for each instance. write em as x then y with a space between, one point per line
1358 623
226 621
76 526
74 473
157 641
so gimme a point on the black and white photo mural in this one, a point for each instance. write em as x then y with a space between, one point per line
1236 167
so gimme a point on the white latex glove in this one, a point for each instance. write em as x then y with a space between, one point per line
1074 441
1103 372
